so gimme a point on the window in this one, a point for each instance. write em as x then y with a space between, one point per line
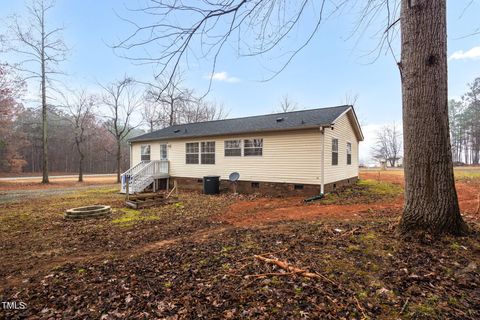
252 147
349 153
334 152
145 152
298 186
163 151
208 152
233 148
191 153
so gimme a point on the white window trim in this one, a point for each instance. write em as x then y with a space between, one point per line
331 150
243 147
214 152
198 153
346 153
166 148
144 154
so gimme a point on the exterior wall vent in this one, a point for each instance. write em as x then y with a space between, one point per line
280 119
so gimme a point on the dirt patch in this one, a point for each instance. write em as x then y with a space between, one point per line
468 190
384 176
358 205
252 213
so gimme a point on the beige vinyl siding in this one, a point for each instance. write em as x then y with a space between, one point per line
343 131
288 156
136 151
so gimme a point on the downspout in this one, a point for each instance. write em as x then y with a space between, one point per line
322 167
322 163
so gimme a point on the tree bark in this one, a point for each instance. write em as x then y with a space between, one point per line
171 121
80 169
80 162
431 203
119 159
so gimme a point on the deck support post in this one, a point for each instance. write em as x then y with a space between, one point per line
127 187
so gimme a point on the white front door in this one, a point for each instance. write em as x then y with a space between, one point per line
163 151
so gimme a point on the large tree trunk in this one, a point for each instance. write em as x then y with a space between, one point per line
431 203
119 159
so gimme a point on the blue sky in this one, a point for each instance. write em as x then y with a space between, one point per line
321 75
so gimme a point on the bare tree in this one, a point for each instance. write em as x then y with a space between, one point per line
202 111
260 26
350 99
43 49
172 98
121 99
151 113
170 103
388 145
79 107
287 105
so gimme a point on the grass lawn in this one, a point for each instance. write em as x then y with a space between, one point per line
195 258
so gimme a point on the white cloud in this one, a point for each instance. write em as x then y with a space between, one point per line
473 53
222 76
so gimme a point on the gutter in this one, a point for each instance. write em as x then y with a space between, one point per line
322 163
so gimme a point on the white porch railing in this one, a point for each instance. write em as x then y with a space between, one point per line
143 174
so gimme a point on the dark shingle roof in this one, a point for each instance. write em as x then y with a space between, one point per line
269 122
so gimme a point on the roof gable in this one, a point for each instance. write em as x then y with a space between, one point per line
354 123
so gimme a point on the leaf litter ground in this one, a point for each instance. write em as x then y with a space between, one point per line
196 259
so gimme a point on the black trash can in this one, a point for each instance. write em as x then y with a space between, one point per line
211 184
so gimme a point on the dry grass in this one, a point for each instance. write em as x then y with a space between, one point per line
470 172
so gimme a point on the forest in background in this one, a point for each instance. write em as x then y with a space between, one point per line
88 119
464 115
21 135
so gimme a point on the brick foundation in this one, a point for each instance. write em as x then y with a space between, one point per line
338 185
276 189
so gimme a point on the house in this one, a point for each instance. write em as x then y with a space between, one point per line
305 152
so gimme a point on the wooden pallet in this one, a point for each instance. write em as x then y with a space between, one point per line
148 200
